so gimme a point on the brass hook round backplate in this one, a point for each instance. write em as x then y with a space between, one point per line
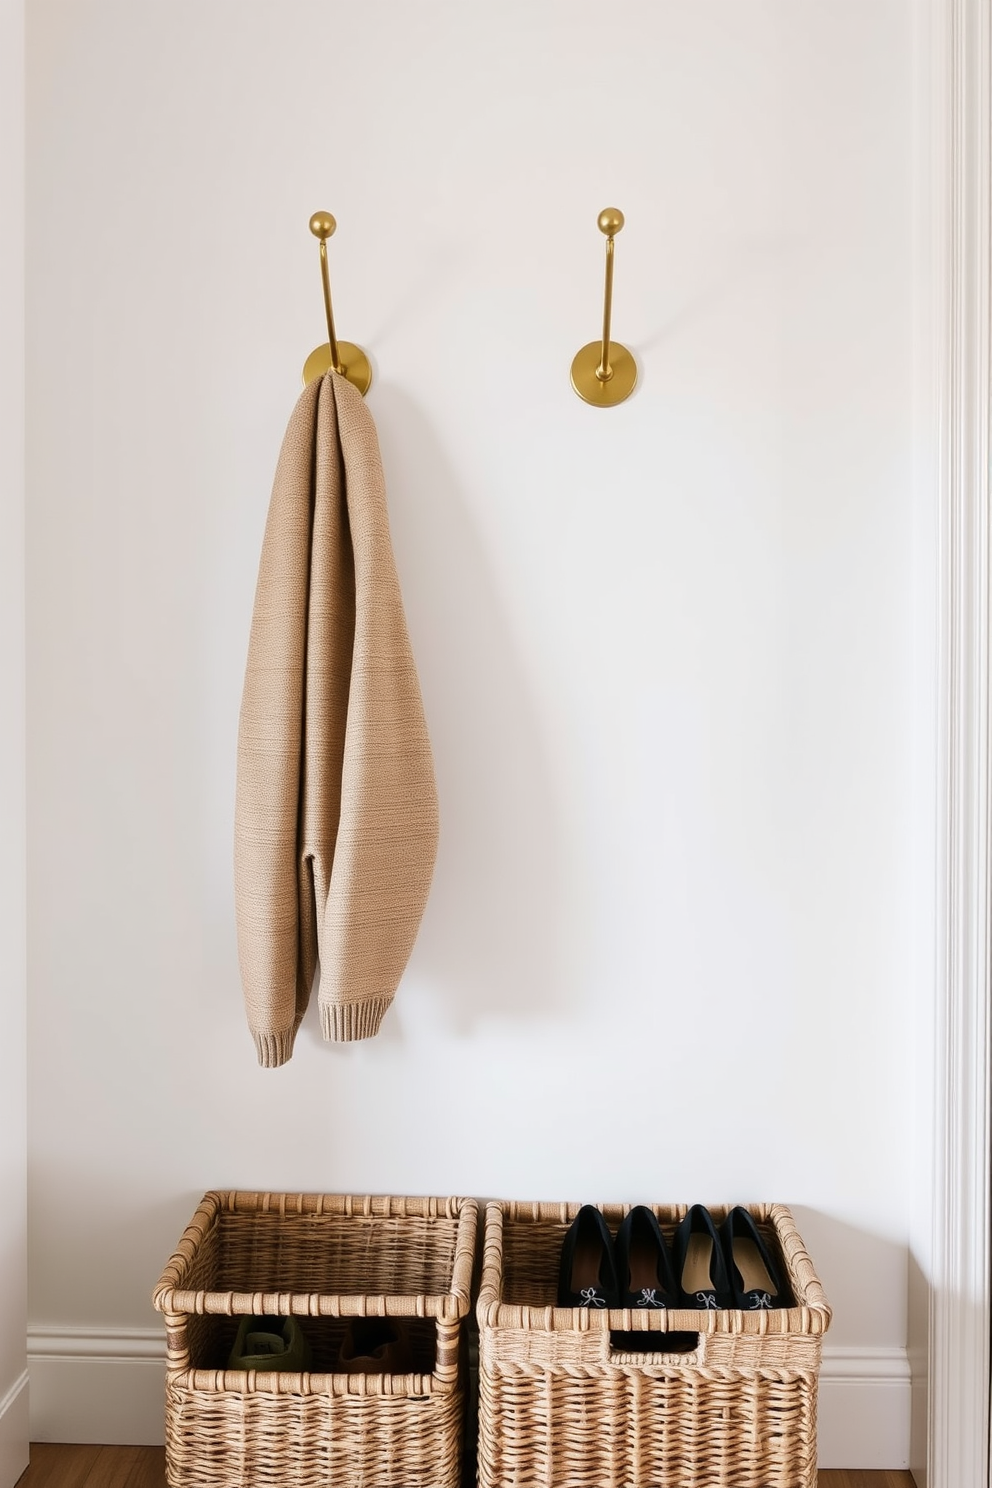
355 365
587 382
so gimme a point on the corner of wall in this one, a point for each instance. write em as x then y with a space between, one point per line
14 1432
13 976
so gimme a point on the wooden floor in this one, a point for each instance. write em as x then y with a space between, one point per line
95 1467
144 1467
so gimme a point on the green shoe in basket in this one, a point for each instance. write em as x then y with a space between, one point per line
270 1343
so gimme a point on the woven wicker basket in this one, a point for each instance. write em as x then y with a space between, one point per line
322 1258
564 1398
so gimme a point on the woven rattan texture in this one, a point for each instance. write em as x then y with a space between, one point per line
324 1258
324 1255
564 1401
230 1439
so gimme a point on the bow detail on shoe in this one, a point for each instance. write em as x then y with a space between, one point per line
759 1302
707 1300
591 1298
649 1298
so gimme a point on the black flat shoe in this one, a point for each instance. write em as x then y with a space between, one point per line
586 1275
756 1281
700 1267
644 1266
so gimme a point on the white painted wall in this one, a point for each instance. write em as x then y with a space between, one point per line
13 1048
666 650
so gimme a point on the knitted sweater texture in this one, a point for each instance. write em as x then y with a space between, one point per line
336 820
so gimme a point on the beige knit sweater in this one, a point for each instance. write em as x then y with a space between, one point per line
336 820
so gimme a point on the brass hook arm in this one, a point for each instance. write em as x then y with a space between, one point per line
610 222
322 225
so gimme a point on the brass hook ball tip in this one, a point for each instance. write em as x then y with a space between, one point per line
610 221
322 225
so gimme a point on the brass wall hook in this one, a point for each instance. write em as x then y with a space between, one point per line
604 372
343 356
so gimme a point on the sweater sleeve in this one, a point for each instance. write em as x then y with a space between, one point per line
275 922
387 833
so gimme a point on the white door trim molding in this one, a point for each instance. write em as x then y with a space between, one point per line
959 1271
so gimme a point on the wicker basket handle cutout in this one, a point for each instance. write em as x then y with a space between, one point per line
652 1349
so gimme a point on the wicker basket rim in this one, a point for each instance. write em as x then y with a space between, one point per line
445 1306
313 1203
312 1382
170 1296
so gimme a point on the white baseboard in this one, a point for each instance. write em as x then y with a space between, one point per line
104 1385
864 1408
97 1385
14 1432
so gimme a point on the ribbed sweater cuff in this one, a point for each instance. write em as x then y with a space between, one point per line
274 1048
345 1021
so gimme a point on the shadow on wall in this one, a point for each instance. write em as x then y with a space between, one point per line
491 938
863 1273
918 1334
